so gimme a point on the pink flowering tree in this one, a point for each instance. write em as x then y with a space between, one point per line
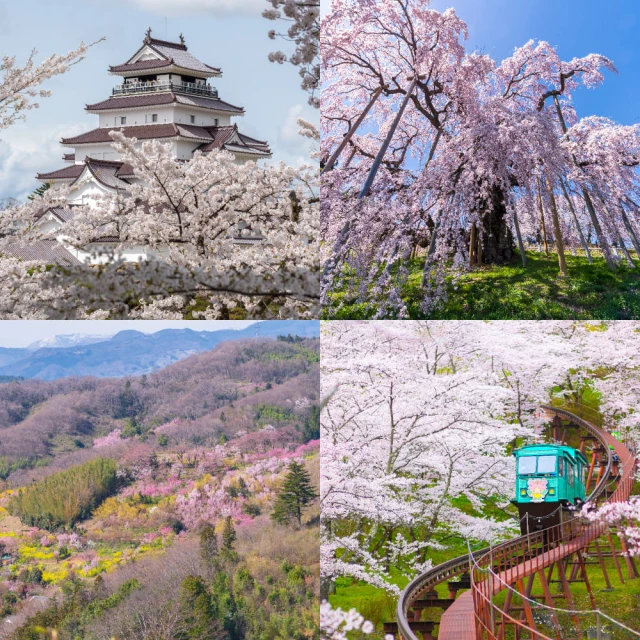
303 20
420 416
188 213
484 157
335 624
19 85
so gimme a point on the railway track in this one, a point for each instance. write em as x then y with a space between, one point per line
512 566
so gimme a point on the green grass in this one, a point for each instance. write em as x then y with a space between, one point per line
513 292
379 606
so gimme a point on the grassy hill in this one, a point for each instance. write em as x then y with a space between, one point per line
513 292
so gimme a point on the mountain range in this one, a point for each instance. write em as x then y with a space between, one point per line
130 352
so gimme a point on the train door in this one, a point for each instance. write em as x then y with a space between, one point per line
570 481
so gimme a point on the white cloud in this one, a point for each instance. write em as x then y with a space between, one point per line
219 7
26 150
292 147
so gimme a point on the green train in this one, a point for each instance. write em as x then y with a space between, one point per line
547 476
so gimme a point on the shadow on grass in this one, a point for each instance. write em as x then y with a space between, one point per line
537 292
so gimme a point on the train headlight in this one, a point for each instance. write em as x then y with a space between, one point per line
523 492
552 491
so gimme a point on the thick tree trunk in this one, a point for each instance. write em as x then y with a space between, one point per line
495 240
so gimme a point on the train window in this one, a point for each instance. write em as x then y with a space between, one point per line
570 477
546 464
527 465
560 467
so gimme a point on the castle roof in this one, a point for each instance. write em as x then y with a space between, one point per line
158 99
106 171
170 54
48 251
211 137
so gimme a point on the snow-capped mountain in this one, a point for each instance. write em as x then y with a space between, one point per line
69 340
131 352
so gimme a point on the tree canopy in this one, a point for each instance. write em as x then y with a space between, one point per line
485 152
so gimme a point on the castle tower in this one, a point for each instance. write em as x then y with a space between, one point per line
164 94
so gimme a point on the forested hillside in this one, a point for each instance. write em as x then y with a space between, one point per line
144 507
236 387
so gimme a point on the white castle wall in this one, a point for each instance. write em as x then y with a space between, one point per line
178 114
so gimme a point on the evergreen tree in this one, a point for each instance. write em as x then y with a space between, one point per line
296 493
228 536
45 186
208 545
199 620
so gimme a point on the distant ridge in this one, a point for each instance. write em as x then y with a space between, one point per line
67 340
132 352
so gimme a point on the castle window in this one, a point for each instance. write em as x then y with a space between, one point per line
216 122
154 117
123 120
193 119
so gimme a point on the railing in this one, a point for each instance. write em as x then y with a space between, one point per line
530 554
531 546
578 409
153 87
426 581
525 556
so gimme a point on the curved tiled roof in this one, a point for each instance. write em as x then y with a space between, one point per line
172 54
64 215
158 99
120 171
142 132
223 138
211 137
107 176
68 173
48 251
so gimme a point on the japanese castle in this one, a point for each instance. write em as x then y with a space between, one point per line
165 95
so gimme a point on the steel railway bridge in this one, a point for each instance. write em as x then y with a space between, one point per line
513 569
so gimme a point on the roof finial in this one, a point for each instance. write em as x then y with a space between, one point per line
148 38
182 39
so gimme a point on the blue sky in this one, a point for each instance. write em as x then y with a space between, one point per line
19 333
576 28
230 34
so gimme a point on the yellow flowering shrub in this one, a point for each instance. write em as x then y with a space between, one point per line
28 552
54 573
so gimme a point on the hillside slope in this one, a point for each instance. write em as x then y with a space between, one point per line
237 386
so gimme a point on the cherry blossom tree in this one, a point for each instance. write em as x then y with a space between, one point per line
189 213
457 155
19 84
303 17
409 428
336 623
421 415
